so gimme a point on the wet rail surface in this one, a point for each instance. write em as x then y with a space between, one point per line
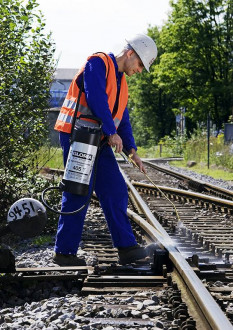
148 294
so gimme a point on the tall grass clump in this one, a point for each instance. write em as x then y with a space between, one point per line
48 156
220 154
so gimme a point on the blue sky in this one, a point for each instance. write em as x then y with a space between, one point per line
82 27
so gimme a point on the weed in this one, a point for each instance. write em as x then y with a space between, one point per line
41 240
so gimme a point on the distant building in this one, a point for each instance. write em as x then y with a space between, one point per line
60 86
58 91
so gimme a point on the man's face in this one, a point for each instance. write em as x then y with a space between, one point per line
133 64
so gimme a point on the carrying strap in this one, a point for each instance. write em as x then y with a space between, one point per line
80 93
77 106
107 68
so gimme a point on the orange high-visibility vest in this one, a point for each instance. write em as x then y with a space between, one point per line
65 117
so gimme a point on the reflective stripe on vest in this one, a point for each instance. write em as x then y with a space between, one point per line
64 120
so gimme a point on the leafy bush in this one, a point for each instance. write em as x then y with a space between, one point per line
173 145
27 67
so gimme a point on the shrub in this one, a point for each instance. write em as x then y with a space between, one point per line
27 66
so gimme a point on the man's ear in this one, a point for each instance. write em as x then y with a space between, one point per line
129 53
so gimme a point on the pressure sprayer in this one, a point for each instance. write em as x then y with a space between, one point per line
27 217
82 160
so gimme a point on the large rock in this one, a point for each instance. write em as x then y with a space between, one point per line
191 163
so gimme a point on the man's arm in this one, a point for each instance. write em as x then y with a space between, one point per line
95 91
125 132
97 99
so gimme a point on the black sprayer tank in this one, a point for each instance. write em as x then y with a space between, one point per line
85 141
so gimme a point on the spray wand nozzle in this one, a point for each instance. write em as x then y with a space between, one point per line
125 155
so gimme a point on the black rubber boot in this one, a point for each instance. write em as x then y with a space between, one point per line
131 254
68 260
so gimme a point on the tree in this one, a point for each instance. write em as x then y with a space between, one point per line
150 108
27 67
196 66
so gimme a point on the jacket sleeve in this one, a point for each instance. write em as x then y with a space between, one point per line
97 99
125 132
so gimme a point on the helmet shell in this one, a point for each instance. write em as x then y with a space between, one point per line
145 47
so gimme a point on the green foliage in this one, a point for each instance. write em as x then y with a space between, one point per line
197 64
149 107
26 69
220 153
193 71
51 157
151 152
41 240
196 146
173 145
201 168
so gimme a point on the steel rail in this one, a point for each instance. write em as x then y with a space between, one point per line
188 178
187 193
173 173
212 312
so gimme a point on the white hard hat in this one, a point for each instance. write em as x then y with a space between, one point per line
145 47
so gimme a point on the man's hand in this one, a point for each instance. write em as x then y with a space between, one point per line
115 141
137 160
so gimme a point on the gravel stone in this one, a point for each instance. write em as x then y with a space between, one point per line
199 177
148 302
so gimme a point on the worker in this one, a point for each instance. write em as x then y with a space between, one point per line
104 95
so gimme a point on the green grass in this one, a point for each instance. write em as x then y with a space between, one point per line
156 151
50 157
41 240
213 171
221 160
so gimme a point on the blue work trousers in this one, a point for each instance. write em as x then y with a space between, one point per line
111 190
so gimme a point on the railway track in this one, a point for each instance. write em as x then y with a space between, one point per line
163 174
208 219
203 233
185 284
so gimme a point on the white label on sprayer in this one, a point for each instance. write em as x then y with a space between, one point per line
80 162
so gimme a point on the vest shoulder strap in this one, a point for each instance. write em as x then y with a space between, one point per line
106 58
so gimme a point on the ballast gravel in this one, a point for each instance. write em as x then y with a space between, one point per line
199 177
72 311
57 306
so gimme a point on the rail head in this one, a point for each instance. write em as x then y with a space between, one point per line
188 178
187 193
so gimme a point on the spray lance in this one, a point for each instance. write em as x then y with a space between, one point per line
160 256
82 159
128 158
